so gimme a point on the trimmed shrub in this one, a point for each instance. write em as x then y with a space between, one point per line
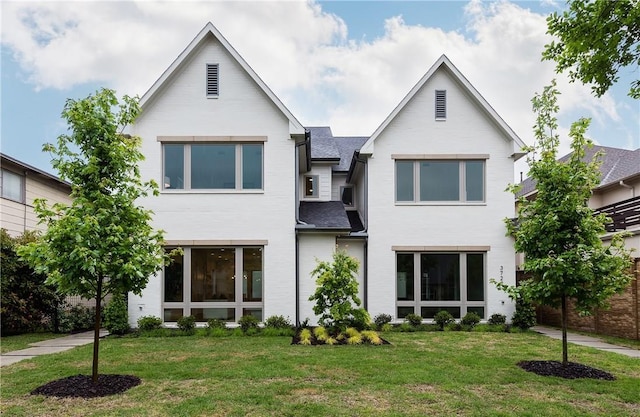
216 324
116 316
524 316
278 322
413 319
187 324
147 323
470 320
497 319
248 322
382 319
443 318
387 327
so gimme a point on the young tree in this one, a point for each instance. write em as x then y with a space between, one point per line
103 242
336 295
596 39
558 232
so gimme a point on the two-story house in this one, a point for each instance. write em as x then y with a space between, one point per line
254 198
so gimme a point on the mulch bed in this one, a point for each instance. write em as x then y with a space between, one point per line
82 386
571 371
315 342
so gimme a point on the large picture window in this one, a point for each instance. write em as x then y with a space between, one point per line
221 282
213 166
454 282
440 181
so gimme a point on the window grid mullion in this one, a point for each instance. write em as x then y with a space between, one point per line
187 167
238 167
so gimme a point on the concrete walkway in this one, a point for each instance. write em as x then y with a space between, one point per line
589 341
59 344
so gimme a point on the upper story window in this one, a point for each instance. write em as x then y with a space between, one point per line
346 195
434 181
441 104
213 166
12 186
311 186
213 80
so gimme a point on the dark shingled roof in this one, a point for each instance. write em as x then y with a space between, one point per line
323 145
347 145
324 214
617 164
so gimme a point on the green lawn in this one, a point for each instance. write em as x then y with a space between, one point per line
439 374
22 341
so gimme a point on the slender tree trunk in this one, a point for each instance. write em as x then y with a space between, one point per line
565 356
96 331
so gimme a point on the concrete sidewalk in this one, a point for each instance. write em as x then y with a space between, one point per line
59 344
589 341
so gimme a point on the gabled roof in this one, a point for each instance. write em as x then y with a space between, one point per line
295 128
444 62
616 165
338 149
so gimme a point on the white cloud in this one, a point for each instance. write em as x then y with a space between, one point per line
301 52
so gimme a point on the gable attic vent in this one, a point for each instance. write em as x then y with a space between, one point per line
212 80
441 104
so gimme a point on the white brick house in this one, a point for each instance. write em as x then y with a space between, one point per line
254 198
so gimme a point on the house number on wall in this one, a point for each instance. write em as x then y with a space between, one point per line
501 273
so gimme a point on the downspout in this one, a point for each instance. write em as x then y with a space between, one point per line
366 239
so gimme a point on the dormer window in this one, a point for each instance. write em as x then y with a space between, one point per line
212 80
441 104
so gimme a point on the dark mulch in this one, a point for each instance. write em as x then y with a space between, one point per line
295 340
571 371
82 386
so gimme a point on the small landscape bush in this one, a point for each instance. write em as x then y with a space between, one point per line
524 316
470 320
187 324
116 316
275 331
387 327
248 322
382 319
147 323
443 318
413 319
216 324
497 319
278 322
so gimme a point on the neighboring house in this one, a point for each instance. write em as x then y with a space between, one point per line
617 196
255 199
21 185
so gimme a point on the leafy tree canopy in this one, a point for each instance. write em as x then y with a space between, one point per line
556 230
595 40
103 242
102 234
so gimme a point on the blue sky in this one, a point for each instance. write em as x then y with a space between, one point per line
342 64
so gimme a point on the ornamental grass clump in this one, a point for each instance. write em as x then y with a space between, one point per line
305 337
372 337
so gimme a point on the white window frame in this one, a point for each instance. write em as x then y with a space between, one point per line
462 185
463 303
5 173
238 304
187 168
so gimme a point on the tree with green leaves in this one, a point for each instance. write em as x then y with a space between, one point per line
556 230
336 296
102 242
595 40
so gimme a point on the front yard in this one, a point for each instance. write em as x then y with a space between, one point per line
436 373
